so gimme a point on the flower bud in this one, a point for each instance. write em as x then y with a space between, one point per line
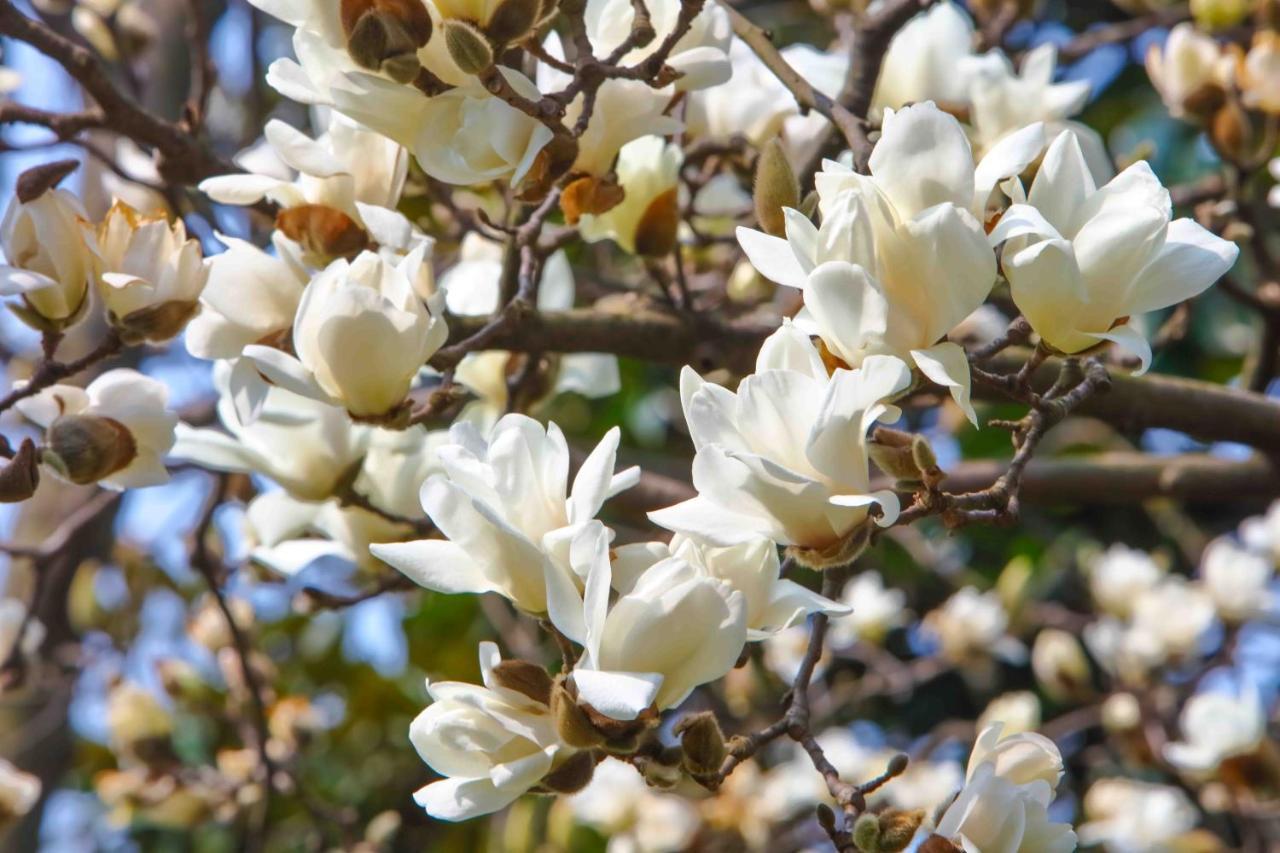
1219 14
573 775
513 21
1059 665
1234 132
1121 712
468 47
897 828
776 187
20 477
525 678
86 448
385 35
702 742
866 833
157 323
572 724
656 230
893 451
938 844
589 194
842 553
322 231
38 180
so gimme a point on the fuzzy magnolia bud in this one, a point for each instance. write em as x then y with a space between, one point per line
776 187
513 21
572 724
866 833
385 35
322 231
86 448
589 195
525 678
571 776
468 47
38 180
894 453
897 828
19 478
841 553
702 743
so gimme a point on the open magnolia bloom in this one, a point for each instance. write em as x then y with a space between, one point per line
673 629
49 261
1004 805
901 257
971 626
1238 580
1126 814
506 510
491 743
367 306
773 603
785 456
306 446
645 222
1217 727
114 432
1187 69
1082 260
925 60
151 275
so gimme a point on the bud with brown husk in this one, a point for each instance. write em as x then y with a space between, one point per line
156 323
84 449
571 776
525 678
550 164
589 195
1238 135
907 458
842 552
20 477
582 726
702 744
776 188
324 232
385 35
469 48
572 723
656 231
938 844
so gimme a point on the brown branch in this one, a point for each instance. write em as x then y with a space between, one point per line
1122 31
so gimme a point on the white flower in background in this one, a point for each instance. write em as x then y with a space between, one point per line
305 446
150 274
645 221
367 307
673 630
49 261
785 455
464 136
701 54
13 616
1179 637
1017 711
1004 803
114 432
901 257
507 511
1261 534
1123 651
1059 664
876 610
1081 260
636 819
289 535
784 651
19 792
1186 67
471 289
924 784
970 626
1260 72
1216 727
773 603
491 743
1238 580
924 60
792 786
1129 816
1119 575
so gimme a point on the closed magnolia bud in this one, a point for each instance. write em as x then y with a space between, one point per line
702 743
86 448
1059 665
525 678
20 477
866 833
572 724
385 35
38 180
571 776
322 231
776 187
468 47
1220 14
656 230
897 828
513 21
938 844
1233 132
591 195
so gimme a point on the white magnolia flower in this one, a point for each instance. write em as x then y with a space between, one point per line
1017 711
1123 651
773 603
671 631
1180 637
1260 72
1003 807
635 817
114 432
1129 816
289 534
19 792
1262 533
1238 580
901 257
49 261
645 221
1119 575
1082 260
1186 66
507 511
785 455
491 743
1216 727
971 625
306 446
151 275
1059 664
876 610
13 616
925 60
366 306
700 55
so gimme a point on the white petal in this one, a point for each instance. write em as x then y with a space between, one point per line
1130 339
435 564
772 257
947 365
620 695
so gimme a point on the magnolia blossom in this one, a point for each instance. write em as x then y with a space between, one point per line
1003 807
491 743
1260 72
152 274
1082 260
1119 575
1059 664
507 511
1177 637
644 222
367 306
1129 816
636 818
114 432
19 792
1186 67
673 629
50 263
306 446
785 455
971 625
901 257
1238 580
1018 711
875 611
1261 534
773 603
924 60
1216 727
288 535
